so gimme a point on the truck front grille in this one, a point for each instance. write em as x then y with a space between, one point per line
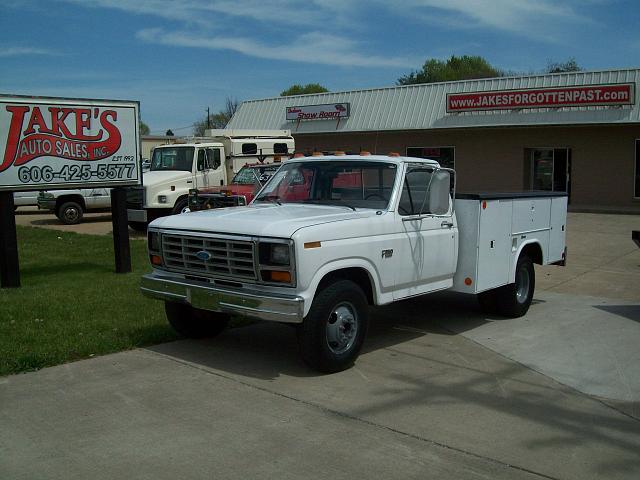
209 256
135 197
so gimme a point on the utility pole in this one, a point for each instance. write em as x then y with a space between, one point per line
208 119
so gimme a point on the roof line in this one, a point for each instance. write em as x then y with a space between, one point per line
451 82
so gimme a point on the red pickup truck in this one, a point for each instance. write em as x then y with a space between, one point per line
243 187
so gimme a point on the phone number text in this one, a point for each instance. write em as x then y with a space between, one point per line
76 173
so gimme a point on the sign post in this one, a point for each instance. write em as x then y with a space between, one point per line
9 265
64 143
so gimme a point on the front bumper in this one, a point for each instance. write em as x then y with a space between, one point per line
135 215
248 303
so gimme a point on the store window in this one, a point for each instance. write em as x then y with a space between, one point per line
445 156
637 187
548 169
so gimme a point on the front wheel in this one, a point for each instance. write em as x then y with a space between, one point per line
332 334
192 322
70 213
182 206
513 300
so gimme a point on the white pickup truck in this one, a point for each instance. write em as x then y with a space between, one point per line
328 236
70 205
204 163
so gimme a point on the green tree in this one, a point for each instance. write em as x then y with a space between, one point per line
455 68
144 128
217 120
303 89
559 67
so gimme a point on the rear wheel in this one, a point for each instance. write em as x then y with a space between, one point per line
332 334
488 301
513 300
192 322
70 213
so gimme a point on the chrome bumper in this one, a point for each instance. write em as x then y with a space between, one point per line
253 304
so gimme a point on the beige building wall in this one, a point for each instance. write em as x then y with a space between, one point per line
493 159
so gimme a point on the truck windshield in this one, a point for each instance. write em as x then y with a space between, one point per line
253 175
353 184
178 158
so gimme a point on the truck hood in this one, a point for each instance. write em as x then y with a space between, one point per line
269 220
158 177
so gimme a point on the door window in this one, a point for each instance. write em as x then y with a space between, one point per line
213 158
413 199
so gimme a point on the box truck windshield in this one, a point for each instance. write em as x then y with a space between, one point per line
178 158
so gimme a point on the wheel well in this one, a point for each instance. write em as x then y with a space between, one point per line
70 198
357 275
534 252
179 199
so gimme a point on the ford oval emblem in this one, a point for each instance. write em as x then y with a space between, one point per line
204 256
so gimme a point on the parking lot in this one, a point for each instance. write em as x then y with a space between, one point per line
440 391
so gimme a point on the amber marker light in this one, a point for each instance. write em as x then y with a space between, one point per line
484 204
394 154
312 245
468 281
277 276
364 153
156 260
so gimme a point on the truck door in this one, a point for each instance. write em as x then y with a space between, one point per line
202 171
215 168
426 242
96 197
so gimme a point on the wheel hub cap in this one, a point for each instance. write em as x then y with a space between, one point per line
342 328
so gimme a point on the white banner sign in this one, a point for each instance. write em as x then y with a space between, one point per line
48 143
318 112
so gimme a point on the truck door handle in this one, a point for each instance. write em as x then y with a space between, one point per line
446 224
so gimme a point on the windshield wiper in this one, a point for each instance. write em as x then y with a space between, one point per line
330 203
270 198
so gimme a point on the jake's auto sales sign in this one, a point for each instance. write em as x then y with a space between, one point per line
48 143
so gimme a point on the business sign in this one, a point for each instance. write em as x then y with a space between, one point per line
554 97
67 143
318 112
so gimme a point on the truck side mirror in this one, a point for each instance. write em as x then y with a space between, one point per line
439 192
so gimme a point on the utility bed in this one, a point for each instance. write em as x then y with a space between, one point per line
495 227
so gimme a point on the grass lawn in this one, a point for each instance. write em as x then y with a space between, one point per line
72 305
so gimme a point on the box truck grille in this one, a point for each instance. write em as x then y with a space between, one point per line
209 256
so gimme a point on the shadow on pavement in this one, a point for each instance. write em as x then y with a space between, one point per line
632 312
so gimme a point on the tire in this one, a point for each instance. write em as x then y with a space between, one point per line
195 323
332 334
180 206
70 213
138 226
514 299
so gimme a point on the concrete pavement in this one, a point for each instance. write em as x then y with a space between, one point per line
420 403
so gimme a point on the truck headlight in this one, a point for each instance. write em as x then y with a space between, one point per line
162 199
276 263
153 243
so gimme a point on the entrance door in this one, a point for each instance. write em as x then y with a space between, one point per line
550 169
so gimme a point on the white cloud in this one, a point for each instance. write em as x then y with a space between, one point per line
309 48
6 51
525 17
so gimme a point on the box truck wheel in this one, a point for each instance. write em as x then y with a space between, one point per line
488 301
332 334
195 323
514 299
70 213
181 206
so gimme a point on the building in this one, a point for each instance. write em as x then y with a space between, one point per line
149 142
577 132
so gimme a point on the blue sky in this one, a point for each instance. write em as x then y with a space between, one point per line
179 57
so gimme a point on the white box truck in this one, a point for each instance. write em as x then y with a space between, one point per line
328 236
202 163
